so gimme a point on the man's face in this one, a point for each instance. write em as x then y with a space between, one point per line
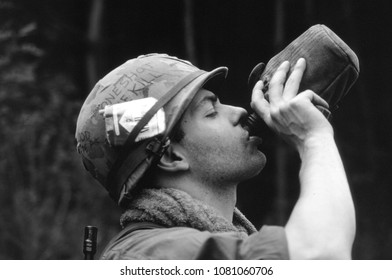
218 149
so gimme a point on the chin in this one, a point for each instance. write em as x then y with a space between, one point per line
256 166
260 159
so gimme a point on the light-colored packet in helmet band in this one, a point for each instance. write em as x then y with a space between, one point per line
121 118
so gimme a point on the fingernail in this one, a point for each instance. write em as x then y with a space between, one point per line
284 63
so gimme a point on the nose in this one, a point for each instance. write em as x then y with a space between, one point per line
237 115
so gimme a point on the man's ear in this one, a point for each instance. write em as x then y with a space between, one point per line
173 159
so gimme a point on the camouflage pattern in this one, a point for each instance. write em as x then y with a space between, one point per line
150 75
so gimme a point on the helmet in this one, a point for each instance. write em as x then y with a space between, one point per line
170 82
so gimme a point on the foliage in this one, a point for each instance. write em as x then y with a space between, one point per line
46 197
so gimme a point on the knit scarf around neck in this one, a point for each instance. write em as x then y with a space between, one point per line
174 208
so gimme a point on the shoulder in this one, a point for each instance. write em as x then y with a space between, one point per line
268 243
156 243
188 243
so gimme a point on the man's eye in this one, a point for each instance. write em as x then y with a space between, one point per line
212 114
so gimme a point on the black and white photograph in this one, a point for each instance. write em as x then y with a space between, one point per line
196 130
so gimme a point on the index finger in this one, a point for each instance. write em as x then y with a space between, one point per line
293 82
259 104
276 85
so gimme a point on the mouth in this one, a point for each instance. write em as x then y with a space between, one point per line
257 141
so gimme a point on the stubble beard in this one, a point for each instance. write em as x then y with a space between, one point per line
218 167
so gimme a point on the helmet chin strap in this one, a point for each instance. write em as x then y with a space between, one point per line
127 162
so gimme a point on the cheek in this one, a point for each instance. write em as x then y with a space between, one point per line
216 140
213 142
214 147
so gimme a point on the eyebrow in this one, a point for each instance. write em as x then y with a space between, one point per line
208 98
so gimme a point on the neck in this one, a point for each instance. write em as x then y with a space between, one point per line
222 198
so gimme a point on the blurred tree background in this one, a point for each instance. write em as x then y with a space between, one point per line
53 51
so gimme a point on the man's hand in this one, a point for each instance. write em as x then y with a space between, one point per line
322 223
292 115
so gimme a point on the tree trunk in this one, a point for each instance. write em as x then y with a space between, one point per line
189 31
94 41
